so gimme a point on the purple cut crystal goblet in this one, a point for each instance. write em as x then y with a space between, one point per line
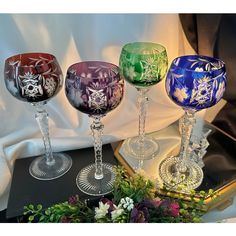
36 78
95 88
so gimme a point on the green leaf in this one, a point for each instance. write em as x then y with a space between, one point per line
47 212
31 218
51 218
41 219
31 207
39 207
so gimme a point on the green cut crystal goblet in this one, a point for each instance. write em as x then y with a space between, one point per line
142 64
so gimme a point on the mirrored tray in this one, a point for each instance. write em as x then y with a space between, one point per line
219 170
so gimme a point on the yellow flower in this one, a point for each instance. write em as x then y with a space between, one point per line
181 94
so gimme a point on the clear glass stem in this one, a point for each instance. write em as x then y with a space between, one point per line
186 127
142 106
41 117
97 129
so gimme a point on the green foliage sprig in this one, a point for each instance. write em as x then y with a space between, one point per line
136 187
73 210
134 200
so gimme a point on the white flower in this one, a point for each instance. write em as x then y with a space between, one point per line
122 201
101 211
116 213
130 207
127 199
126 203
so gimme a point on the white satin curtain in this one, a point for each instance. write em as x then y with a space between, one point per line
73 38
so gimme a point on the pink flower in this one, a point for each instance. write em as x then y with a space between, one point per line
174 209
73 200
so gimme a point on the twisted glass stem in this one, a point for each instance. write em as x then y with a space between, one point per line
142 106
97 130
41 117
186 127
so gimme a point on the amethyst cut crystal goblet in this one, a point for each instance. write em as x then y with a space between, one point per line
95 88
193 82
35 78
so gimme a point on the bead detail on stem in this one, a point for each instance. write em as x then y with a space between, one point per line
142 106
41 117
97 129
186 126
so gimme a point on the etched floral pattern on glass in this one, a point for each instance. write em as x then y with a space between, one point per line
33 77
95 92
95 88
193 82
143 64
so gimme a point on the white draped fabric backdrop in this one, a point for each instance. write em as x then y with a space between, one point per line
73 38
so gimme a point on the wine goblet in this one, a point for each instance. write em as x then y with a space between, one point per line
95 88
35 78
142 64
193 82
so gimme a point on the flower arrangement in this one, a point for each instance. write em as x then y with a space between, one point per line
134 199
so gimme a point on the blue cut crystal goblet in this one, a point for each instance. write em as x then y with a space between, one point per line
193 82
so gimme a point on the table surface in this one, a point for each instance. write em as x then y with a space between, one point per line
27 190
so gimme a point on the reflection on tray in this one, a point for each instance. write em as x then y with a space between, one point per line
220 160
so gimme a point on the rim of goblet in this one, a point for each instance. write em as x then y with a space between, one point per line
31 53
198 56
160 48
85 62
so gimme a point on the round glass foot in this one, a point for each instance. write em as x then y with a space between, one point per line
40 170
149 150
177 181
87 183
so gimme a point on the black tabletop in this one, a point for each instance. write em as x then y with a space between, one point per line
27 190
